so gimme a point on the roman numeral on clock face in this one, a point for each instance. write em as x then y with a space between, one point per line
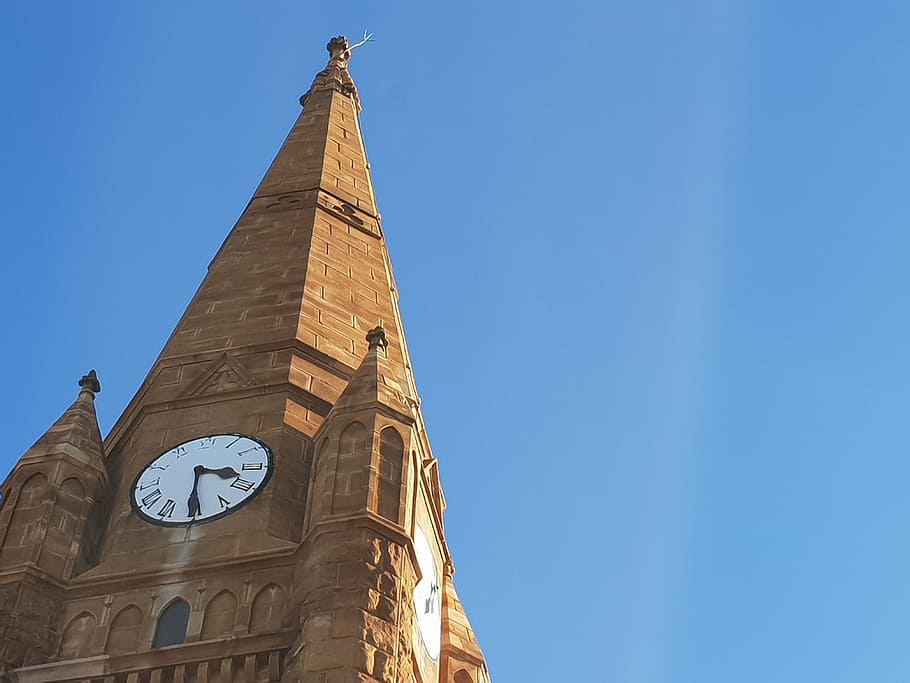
225 503
252 466
241 484
167 509
151 498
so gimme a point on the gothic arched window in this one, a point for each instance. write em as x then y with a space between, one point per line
172 623
391 464
349 491
462 676
123 637
219 615
268 608
77 637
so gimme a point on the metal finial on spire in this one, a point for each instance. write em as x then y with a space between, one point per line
90 383
367 38
335 75
377 338
340 50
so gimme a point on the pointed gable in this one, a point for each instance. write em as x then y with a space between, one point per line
222 374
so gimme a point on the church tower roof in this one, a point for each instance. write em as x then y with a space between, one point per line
325 148
304 274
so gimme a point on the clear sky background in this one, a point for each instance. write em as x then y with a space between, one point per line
653 258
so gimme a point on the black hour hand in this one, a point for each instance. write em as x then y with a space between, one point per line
192 504
224 472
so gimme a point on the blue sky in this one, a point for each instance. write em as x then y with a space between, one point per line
653 263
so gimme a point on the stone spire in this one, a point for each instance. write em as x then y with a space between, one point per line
305 268
378 382
76 432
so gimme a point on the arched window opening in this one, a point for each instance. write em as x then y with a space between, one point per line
77 637
349 492
462 676
218 619
32 491
123 637
391 463
268 609
172 624
73 487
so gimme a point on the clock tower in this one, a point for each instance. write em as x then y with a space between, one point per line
268 506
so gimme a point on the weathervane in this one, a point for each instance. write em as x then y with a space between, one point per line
367 38
340 51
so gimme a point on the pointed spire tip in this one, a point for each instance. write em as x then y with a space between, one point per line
335 75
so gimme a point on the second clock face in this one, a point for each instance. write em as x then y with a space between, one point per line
427 596
202 479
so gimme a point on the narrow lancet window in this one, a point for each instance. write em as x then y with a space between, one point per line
172 624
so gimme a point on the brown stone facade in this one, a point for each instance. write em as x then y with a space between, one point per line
293 339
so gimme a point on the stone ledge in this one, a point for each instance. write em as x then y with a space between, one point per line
188 655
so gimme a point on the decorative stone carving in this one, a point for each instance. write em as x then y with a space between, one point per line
225 373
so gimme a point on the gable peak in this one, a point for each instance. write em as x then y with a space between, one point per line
224 373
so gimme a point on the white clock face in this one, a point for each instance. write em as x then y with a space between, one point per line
202 479
428 596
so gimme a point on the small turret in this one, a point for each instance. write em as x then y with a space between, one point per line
50 524
357 521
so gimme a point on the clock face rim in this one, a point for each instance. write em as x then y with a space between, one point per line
270 469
